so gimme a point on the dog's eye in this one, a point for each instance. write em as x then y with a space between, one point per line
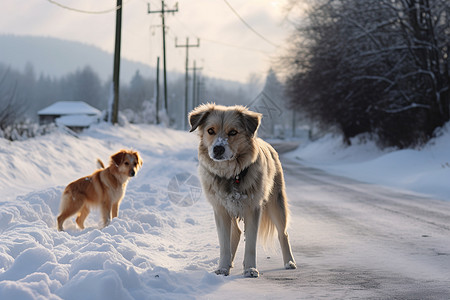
232 132
127 163
211 131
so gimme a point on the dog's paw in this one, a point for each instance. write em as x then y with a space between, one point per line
222 271
251 272
290 265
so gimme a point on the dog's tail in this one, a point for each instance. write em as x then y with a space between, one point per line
266 231
100 164
274 217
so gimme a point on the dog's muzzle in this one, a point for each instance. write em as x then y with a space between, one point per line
132 173
218 152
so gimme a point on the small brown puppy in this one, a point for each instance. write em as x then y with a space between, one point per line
105 188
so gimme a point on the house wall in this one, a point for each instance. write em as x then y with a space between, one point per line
47 119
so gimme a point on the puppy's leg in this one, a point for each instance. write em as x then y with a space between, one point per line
70 205
251 220
235 238
82 215
223 224
106 212
278 213
115 209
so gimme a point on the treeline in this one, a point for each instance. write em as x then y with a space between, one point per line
29 93
373 66
24 93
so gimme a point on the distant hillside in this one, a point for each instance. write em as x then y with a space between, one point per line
56 57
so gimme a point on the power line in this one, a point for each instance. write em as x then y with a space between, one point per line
235 46
187 29
248 25
85 11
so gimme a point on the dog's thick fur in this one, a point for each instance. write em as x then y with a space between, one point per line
242 178
105 188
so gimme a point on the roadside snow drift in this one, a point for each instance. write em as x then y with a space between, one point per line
425 170
150 251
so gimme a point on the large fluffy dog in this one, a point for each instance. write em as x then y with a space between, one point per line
104 188
242 178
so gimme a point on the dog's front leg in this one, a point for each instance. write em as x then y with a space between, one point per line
251 220
106 213
223 224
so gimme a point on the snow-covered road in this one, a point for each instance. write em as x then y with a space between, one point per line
355 240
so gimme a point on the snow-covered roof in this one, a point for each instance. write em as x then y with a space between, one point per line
76 120
69 108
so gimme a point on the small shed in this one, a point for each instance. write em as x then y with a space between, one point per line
77 115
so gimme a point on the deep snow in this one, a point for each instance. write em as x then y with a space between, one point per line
139 256
158 247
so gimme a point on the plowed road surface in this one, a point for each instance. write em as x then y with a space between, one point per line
353 240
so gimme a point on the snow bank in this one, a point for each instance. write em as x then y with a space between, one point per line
150 251
425 170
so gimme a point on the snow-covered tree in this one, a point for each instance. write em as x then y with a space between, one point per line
378 66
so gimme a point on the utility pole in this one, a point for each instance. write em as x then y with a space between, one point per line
294 123
200 88
187 46
116 72
157 91
194 86
163 11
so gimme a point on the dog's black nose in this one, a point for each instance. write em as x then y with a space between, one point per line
218 150
132 173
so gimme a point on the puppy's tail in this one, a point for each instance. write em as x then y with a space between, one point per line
100 164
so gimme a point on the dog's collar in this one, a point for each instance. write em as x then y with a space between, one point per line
240 176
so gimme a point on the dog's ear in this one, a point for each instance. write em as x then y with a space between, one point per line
139 159
117 158
252 120
199 115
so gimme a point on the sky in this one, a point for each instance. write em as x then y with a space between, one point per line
228 48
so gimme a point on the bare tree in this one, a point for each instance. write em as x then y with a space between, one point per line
377 66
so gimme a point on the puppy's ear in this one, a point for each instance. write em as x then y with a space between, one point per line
252 120
199 115
139 159
117 158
